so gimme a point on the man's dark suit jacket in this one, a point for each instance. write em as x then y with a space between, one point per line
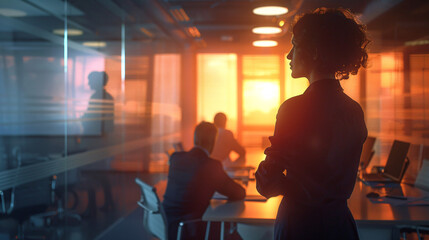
318 140
193 178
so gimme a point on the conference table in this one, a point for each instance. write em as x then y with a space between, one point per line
376 218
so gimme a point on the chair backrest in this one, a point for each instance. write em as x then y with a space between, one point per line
37 193
422 180
154 219
178 147
170 152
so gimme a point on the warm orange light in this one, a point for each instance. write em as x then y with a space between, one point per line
388 65
265 43
281 23
217 87
259 94
147 32
260 101
293 86
266 30
193 31
270 10
179 14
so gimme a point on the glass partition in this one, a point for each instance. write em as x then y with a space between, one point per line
83 111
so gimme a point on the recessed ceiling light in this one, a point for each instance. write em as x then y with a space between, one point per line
94 44
265 43
9 12
270 10
266 30
147 32
226 38
70 32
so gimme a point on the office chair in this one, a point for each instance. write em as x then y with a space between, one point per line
421 231
170 152
61 212
154 218
422 180
26 200
178 147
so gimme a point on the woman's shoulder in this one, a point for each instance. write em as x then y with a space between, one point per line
356 105
293 101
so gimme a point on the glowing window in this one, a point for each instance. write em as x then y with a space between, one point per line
217 87
261 89
293 86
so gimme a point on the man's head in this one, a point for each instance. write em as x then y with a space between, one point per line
97 80
220 120
205 135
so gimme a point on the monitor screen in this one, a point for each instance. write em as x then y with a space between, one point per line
396 159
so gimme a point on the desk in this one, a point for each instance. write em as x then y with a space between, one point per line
373 219
380 220
257 214
253 212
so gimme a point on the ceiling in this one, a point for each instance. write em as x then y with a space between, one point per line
212 25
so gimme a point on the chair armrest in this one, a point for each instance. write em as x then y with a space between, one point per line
190 221
413 228
53 188
146 208
3 204
12 201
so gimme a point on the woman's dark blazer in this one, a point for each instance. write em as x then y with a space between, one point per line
313 162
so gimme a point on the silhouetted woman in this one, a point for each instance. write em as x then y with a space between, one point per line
318 135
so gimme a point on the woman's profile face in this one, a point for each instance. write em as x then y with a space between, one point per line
298 62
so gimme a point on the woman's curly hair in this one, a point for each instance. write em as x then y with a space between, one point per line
337 39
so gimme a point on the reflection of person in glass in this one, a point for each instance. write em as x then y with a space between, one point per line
99 116
318 137
99 121
225 143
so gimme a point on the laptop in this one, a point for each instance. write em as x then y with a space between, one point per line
367 153
249 197
396 165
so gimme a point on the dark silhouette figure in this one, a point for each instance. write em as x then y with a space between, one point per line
225 143
99 121
318 135
193 178
99 117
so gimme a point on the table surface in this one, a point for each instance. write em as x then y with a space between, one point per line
243 211
363 210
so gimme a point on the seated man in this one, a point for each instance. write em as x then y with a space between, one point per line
192 180
225 143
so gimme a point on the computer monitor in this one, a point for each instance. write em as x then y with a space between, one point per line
396 161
